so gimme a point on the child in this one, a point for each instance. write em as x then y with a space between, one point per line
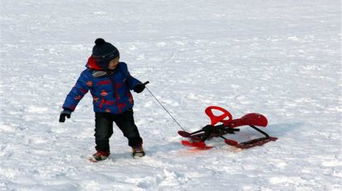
109 82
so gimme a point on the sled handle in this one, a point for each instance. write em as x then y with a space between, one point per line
215 119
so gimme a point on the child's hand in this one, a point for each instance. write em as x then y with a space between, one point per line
139 88
64 113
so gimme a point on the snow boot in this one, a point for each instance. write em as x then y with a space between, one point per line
138 151
99 156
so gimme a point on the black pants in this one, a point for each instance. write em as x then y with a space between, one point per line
104 129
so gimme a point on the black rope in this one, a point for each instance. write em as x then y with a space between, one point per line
165 109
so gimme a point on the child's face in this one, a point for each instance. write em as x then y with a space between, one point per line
113 63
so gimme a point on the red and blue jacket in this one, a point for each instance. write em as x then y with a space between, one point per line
110 92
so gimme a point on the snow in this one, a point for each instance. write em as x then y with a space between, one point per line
278 58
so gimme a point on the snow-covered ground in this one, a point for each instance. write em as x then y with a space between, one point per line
281 58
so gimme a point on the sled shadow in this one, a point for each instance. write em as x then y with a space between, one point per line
282 129
274 130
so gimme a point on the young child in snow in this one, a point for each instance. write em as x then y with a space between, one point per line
109 82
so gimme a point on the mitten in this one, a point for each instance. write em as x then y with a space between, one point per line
64 113
139 88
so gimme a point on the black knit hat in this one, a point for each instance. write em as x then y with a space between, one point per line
104 50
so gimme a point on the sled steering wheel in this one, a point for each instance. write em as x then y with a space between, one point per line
215 119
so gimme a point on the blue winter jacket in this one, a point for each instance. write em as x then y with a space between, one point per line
111 93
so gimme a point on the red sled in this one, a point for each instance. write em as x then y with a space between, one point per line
225 124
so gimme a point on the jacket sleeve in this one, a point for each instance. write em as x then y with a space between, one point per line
130 80
77 92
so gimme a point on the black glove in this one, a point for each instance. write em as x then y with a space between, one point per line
64 113
139 88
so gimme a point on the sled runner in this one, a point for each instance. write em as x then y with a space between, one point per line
221 126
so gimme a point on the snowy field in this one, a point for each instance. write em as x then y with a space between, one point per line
281 58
